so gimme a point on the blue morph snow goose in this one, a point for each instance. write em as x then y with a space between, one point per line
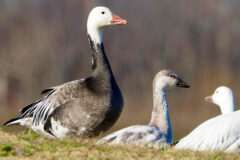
84 107
159 130
219 133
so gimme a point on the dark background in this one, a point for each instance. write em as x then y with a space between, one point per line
44 43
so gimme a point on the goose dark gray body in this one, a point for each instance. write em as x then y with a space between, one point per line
98 97
84 107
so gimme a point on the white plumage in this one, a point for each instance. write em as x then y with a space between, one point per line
219 133
223 97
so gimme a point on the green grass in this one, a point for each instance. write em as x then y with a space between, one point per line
28 145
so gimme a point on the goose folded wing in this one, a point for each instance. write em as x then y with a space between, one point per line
134 135
57 96
218 133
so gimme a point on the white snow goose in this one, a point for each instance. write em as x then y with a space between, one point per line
82 107
224 98
159 130
219 133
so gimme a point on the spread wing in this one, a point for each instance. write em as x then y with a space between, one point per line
41 109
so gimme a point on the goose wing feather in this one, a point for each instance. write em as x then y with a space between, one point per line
218 133
57 96
135 135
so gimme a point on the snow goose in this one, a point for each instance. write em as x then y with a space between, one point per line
219 133
82 107
224 98
159 130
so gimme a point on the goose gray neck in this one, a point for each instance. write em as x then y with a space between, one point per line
160 114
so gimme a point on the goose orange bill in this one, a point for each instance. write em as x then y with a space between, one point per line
117 20
209 99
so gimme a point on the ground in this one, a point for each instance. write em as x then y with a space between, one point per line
28 145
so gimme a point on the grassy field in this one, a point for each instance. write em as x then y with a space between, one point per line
28 145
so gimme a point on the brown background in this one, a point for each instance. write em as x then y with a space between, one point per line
44 43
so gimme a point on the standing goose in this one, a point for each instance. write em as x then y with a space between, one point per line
224 98
219 133
159 130
82 107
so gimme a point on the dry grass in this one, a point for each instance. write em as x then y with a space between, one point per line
28 145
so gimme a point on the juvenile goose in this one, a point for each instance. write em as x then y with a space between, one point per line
82 107
159 130
224 98
219 133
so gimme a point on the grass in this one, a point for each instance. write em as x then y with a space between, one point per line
28 145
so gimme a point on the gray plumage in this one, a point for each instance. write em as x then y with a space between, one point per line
159 131
84 107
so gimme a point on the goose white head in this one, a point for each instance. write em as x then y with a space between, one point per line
224 98
168 79
99 18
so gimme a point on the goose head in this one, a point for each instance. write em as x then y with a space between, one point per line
99 18
168 79
224 98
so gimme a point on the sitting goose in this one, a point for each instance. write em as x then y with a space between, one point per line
82 107
219 133
159 130
224 98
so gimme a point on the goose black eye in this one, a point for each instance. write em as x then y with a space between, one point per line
103 12
172 76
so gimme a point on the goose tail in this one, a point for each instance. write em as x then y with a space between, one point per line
19 121
12 121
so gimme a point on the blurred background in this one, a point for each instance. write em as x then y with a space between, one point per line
44 43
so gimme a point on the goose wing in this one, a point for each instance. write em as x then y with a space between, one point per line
218 133
135 135
57 96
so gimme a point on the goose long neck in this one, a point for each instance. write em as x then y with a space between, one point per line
228 107
100 64
160 114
